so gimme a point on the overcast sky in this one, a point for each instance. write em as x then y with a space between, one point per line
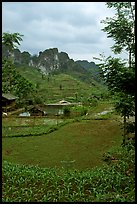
72 27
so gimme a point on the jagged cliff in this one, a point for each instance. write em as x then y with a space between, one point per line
53 61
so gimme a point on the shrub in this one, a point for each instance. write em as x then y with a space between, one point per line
66 111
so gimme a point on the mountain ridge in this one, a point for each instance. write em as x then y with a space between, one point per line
51 61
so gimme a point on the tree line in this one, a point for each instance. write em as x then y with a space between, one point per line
119 74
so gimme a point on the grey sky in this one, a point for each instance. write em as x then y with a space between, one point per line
72 27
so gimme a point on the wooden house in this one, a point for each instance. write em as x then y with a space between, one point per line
36 111
8 102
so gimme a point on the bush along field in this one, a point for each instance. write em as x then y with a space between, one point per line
113 182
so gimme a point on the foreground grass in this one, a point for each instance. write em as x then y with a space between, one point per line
112 183
81 142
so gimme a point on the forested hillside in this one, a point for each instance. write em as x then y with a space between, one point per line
51 76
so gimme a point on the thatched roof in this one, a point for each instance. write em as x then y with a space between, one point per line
9 96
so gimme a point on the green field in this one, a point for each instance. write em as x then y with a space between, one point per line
63 142
67 165
81 142
62 159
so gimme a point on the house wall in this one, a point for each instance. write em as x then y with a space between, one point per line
8 105
54 110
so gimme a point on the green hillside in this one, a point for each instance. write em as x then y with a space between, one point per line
54 87
53 76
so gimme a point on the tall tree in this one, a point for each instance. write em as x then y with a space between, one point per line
119 74
11 41
122 28
12 81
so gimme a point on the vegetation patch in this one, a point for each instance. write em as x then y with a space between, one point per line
109 183
85 143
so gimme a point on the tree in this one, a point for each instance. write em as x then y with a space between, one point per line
11 40
119 75
12 81
122 28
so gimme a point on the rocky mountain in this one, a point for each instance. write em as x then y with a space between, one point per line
51 61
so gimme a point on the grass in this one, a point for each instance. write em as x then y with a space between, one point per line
79 141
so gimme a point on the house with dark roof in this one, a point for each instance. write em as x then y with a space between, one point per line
37 111
8 102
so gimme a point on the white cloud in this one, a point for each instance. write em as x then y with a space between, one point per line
72 27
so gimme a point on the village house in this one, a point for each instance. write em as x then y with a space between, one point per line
37 111
49 109
8 102
57 108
